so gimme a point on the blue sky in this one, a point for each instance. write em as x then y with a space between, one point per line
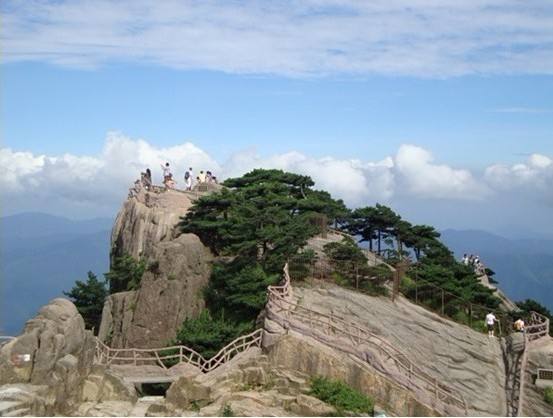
434 107
469 121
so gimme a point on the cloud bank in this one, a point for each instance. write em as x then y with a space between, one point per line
98 184
308 38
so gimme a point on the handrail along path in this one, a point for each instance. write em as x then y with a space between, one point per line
335 329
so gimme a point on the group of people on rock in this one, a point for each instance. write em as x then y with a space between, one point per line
475 262
170 182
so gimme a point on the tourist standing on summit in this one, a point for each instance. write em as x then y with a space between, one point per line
166 172
191 177
188 179
201 177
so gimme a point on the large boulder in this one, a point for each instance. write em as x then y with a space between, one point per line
540 356
54 351
466 360
306 355
179 266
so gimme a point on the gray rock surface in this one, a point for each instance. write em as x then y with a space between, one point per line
104 385
540 356
464 359
248 386
309 357
54 352
171 289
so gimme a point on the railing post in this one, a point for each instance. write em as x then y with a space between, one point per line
134 356
180 354
470 315
416 290
443 303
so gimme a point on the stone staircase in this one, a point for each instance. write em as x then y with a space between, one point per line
514 354
16 402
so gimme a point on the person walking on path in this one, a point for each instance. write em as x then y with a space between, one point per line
490 323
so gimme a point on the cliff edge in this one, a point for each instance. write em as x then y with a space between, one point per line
178 268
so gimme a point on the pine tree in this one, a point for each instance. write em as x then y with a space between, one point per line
125 273
89 298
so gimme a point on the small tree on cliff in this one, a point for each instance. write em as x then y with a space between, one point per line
125 273
89 299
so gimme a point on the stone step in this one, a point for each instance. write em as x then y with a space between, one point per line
7 406
20 412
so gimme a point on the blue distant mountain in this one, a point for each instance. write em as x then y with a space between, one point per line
41 256
523 267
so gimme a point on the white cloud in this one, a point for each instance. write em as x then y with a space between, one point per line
424 179
351 180
535 176
313 37
89 181
99 183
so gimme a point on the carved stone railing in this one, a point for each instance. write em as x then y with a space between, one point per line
349 337
175 354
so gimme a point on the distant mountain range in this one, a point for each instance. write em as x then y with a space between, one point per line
523 267
41 256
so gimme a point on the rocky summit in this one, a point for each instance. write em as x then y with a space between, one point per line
179 266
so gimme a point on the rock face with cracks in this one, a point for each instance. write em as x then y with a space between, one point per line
50 360
468 361
179 266
540 356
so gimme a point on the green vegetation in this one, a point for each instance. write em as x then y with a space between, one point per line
227 411
529 305
89 296
548 395
300 264
89 299
341 396
238 289
264 218
351 269
207 335
434 267
125 273
257 222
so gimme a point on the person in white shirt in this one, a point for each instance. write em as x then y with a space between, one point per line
188 180
166 172
191 177
490 323
202 177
